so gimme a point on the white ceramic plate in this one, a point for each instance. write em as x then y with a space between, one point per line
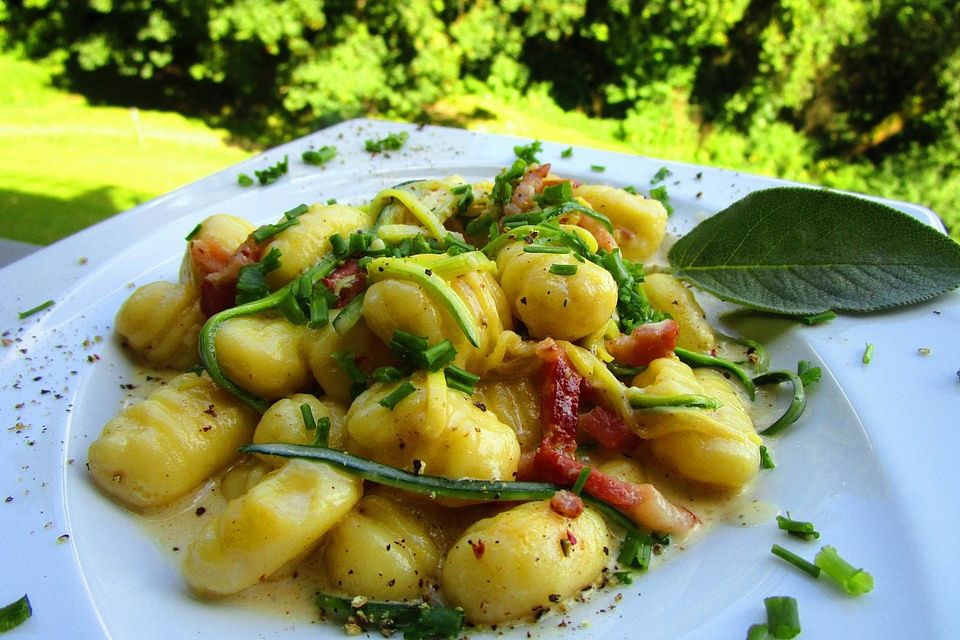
872 462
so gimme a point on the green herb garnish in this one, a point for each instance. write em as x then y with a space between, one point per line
392 142
390 400
244 180
867 353
272 174
461 379
795 560
193 234
771 251
528 153
37 309
598 168
783 619
798 528
320 156
818 318
563 269
660 193
766 460
416 621
636 550
267 231
581 480
661 175
853 580
566 153
15 614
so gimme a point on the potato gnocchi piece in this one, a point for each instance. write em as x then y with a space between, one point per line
390 305
639 223
718 447
669 295
160 448
264 355
243 476
381 551
434 430
515 402
303 244
563 307
277 522
219 236
159 325
515 564
283 422
319 345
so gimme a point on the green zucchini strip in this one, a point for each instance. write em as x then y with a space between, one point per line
208 334
695 359
797 405
407 199
639 400
434 486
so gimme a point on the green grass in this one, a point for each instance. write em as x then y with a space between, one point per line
68 164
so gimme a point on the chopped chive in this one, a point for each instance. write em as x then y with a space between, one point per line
386 374
416 621
320 156
598 168
696 359
390 401
623 577
323 433
853 580
661 175
528 153
581 480
797 404
542 248
309 422
868 353
566 153
15 614
193 234
660 193
339 245
461 379
392 142
796 560
272 173
798 528
348 363
563 269
808 373
766 460
783 619
244 180
331 201
758 632
636 550
267 231
631 190
817 318
439 355
37 309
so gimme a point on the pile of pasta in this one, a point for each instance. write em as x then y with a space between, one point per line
530 289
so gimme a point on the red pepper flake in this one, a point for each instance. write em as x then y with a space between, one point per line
572 538
478 548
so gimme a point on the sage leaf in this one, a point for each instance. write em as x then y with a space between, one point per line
803 251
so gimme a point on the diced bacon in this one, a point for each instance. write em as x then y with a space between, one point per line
645 344
559 397
609 430
605 239
219 269
643 503
530 184
346 282
567 504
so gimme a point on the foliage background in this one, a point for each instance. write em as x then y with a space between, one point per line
856 94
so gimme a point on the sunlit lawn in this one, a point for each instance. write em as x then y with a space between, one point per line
66 165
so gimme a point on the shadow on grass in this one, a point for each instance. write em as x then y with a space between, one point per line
40 219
